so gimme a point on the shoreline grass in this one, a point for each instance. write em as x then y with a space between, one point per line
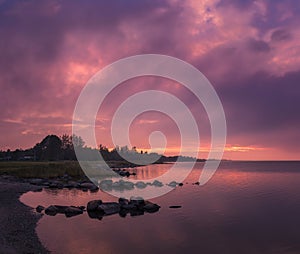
51 169
45 169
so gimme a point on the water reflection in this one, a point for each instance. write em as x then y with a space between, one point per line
245 208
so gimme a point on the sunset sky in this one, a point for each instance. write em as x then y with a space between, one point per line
249 50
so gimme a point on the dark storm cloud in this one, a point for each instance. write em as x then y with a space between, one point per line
264 104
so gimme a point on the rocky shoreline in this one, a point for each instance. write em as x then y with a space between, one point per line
17 221
96 209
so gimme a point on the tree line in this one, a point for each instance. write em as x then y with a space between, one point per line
55 148
51 148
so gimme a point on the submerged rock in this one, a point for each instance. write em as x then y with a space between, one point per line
175 206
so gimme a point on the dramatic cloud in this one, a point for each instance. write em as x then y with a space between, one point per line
249 50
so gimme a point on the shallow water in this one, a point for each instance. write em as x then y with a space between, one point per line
247 207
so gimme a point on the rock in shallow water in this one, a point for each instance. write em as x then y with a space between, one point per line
123 201
175 206
51 210
141 185
69 211
109 208
73 211
151 208
98 209
157 183
39 208
173 184
93 205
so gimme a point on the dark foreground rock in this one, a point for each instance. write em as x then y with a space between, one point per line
39 208
150 207
135 206
69 211
62 182
17 222
73 211
109 208
92 206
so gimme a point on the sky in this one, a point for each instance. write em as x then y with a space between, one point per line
248 50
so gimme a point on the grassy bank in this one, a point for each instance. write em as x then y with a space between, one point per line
46 169
29 169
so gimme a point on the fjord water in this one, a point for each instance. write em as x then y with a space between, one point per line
247 207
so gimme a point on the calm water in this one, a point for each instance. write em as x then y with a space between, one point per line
247 207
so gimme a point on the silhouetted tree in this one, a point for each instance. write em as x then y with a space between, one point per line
49 149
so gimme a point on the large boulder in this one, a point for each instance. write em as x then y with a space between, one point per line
129 207
137 201
73 211
95 215
61 208
109 208
69 211
51 210
93 205
150 207
123 201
